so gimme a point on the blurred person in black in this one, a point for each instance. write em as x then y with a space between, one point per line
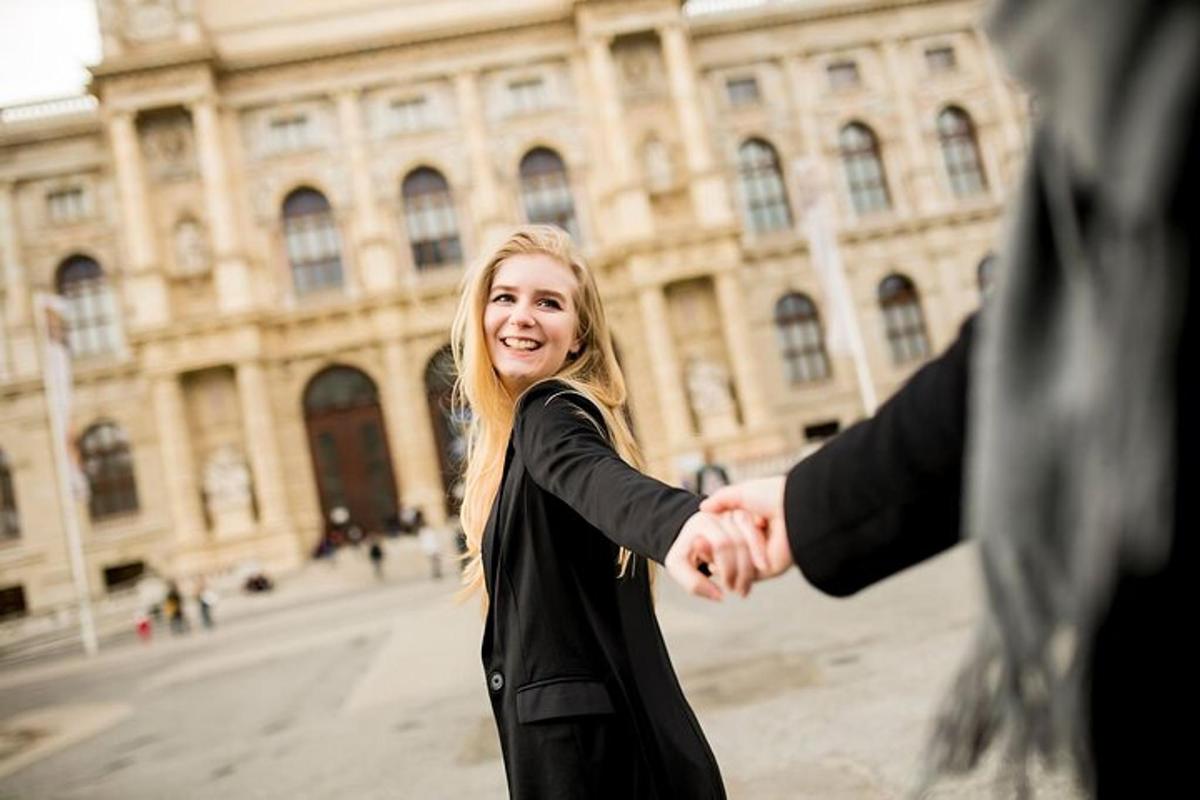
1064 422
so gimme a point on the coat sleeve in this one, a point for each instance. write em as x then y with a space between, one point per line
886 493
560 437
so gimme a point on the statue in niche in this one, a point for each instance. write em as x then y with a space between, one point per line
711 397
227 491
191 248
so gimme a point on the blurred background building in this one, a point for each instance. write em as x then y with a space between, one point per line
260 215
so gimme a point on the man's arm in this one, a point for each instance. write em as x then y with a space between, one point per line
887 493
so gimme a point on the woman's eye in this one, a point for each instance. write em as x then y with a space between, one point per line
503 297
550 302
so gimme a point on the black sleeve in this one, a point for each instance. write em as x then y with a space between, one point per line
560 437
886 493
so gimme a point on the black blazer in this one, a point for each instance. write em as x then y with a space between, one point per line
886 493
585 698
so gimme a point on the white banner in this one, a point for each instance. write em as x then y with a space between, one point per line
58 381
843 336
51 318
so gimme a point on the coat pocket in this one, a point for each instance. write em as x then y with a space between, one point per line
558 698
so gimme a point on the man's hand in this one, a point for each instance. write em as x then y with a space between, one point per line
731 545
763 500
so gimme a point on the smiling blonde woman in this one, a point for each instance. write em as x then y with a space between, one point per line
560 526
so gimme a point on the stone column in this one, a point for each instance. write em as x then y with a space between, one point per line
668 377
922 190
487 207
731 301
16 292
378 267
145 288
710 195
262 446
174 439
16 329
410 433
632 218
230 271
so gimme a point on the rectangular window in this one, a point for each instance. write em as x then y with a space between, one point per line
290 133
123 576
819 431
843 75
410 115
528 95
12 602
67 205
743 91
941 59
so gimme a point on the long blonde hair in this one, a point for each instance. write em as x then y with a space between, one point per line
593 372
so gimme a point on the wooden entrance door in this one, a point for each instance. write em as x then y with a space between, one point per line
348 443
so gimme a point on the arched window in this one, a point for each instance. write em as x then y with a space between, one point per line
865 177
430 218
339 388
314 248
801 341
762 186
91 312
10 520
903 320
960 149
985 274
546 191
108 465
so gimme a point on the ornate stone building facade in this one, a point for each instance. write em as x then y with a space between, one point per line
260 219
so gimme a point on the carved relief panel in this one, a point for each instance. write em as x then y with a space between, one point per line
641 71
168 144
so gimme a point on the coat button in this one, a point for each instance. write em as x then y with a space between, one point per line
496 681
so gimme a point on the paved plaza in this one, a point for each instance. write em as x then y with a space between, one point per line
341 686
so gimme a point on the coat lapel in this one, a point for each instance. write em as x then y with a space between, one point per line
491 530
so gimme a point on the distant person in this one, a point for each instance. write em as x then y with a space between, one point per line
431 544
207 599
173 609
376 553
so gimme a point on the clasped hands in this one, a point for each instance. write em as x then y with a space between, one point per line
739 534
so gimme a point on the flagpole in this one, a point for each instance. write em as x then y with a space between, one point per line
826 257
56 387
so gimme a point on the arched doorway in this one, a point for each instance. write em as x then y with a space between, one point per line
349 447
449 424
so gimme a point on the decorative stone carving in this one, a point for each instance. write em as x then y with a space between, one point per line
168 144
711 397
640 70
126 24
227 492
191 247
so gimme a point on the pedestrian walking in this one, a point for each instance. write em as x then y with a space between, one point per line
173 609
376 554
206 597
431 545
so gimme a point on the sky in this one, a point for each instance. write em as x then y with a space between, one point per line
45 48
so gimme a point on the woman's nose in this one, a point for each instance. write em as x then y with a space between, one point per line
522 314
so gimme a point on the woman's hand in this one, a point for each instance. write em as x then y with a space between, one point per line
731 545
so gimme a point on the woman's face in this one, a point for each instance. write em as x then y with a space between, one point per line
530 320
